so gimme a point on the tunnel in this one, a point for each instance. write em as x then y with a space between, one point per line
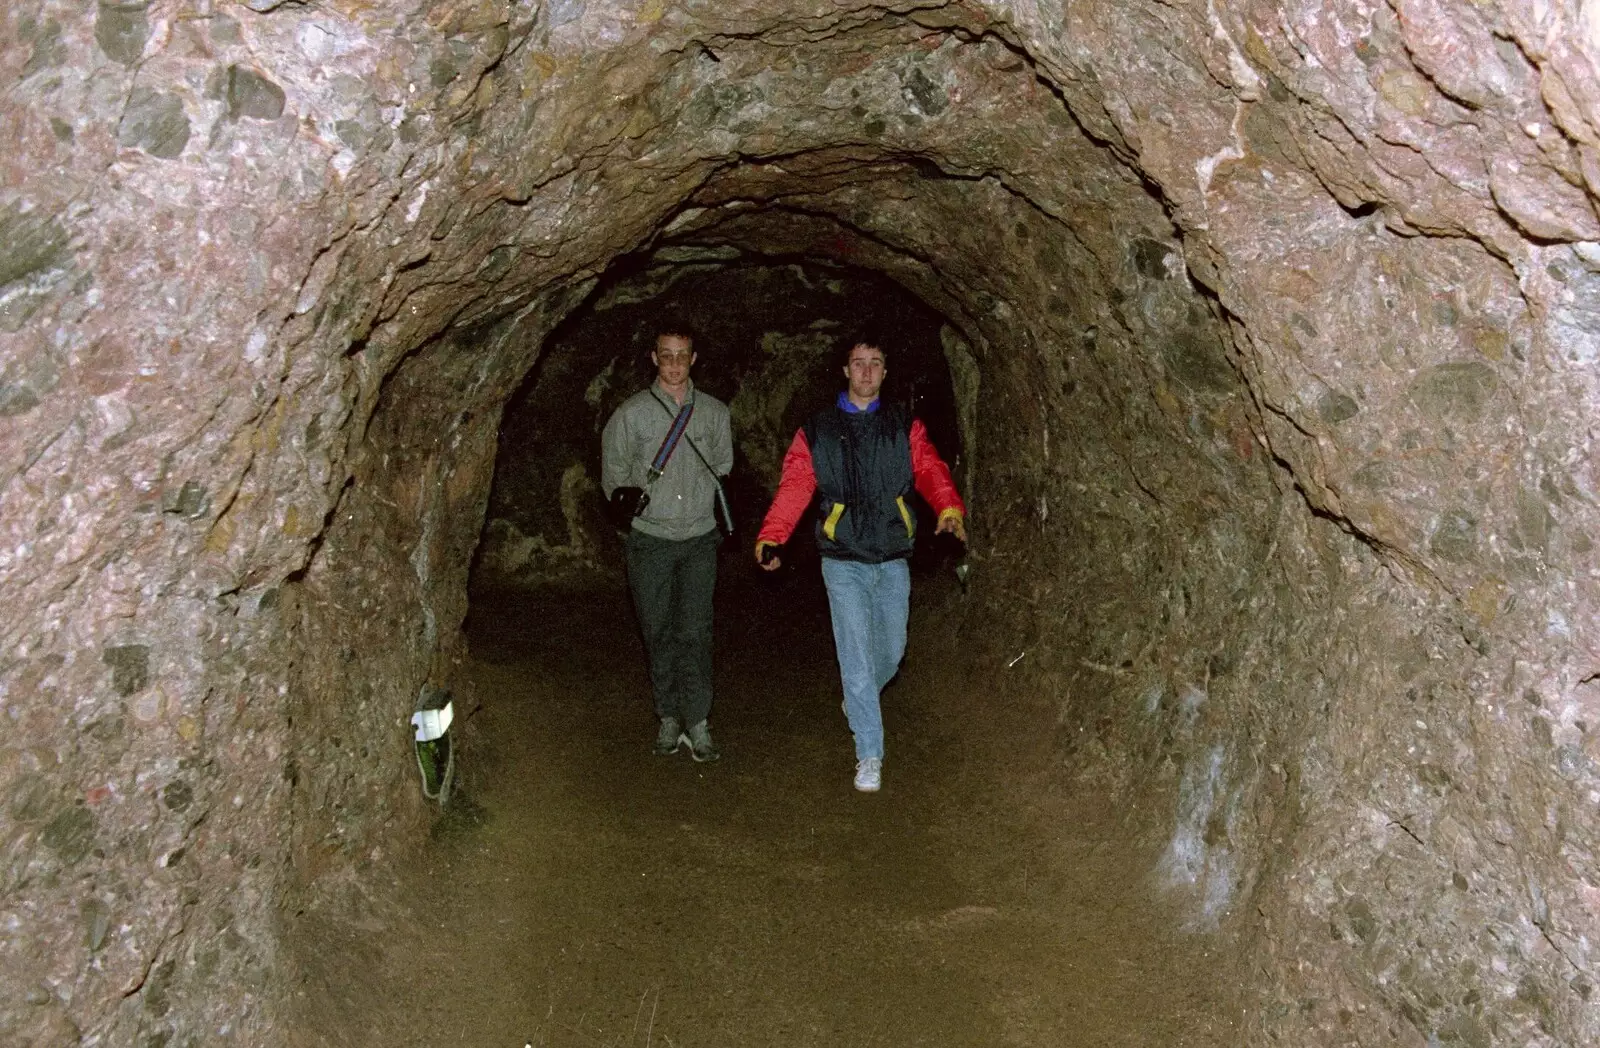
1265 334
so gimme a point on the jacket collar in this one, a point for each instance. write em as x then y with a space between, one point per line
849 408
666 398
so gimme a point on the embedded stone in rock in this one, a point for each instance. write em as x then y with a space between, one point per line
1459 391
130 667
121 31
70 835
157 993
1363 922
25 383
177 795
48 50
1337 407
921 92
29 800
190 501
443 70
253 95
30 242
96 923
1455 537
352 133
1196 360
1533 523
154 122
225 30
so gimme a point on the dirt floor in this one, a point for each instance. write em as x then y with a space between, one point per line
584 892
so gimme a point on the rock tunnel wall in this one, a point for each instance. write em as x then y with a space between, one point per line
1292 306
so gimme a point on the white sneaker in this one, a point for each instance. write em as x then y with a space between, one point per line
869 774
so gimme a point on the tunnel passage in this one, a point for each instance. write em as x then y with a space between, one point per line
768 334
1283 320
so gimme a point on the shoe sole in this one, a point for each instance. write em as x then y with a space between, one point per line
869 789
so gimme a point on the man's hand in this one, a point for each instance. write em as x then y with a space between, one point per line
767 555
951 522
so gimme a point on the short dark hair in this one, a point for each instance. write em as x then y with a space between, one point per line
673 327
848 344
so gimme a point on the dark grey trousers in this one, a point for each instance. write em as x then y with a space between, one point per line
673 584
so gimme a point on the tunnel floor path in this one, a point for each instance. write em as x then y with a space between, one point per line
588 893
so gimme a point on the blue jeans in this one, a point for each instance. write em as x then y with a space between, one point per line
870 603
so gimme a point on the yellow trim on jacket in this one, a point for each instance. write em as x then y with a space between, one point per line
832 522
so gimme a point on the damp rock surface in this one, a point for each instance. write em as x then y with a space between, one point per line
1273 332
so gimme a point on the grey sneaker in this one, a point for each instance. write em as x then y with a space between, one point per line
698 739
667 738
869 774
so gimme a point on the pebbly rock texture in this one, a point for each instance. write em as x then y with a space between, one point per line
1285 319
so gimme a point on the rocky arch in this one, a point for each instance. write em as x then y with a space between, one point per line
1292 306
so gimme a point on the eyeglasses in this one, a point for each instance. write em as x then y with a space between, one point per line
681 356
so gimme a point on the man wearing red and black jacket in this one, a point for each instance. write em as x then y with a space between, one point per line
864 459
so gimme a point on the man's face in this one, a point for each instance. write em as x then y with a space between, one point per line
672 357
865 371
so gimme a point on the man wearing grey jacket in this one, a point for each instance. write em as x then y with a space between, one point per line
663 454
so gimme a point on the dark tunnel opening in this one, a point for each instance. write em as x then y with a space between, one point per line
770 338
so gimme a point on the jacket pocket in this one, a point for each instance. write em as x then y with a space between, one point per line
905 516
830 524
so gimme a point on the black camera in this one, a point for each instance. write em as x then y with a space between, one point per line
627 503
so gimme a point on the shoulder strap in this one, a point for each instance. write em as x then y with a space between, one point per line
669 443
680 426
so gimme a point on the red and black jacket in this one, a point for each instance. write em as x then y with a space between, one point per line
863 465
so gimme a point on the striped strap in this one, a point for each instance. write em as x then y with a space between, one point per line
669 443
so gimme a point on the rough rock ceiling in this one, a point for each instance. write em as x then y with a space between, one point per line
1295 303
